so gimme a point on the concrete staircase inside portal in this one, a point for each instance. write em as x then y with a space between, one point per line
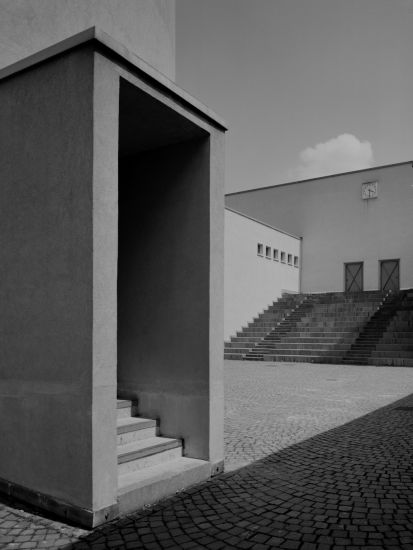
150 467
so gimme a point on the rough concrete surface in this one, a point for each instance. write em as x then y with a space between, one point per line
328 450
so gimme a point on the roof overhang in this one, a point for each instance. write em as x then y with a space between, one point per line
110 48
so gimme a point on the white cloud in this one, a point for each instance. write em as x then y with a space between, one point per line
341 154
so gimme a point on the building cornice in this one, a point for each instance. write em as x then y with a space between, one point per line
108 46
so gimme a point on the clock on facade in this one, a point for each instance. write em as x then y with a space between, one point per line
369 190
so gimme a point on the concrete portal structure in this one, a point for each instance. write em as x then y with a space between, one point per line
111 230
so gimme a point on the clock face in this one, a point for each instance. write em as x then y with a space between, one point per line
369 190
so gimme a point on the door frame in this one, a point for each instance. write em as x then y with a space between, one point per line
362 275
381 262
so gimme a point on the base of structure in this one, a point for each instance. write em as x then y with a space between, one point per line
135 491
217 468
148 486
68 512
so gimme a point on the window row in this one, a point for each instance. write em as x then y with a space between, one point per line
277 256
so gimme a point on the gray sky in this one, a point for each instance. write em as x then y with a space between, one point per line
308 87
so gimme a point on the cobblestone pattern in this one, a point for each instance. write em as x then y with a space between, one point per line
21 529
350 487
269 406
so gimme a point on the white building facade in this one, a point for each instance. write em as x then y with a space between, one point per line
356 227
261 262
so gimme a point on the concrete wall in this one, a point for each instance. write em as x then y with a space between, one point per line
46 171
165 300
146 27
337 226
105 271
252 282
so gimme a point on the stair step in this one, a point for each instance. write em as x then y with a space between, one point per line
125 408
298 358
234 356
147 486
147 452
123 403
134 429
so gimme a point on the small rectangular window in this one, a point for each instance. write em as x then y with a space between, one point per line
283 257
295 261
260 249
268 252
290 259
275 255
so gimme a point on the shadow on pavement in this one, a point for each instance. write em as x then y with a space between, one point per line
350 487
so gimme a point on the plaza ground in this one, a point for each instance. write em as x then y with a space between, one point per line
318 457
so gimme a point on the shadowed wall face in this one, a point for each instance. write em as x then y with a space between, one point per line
163 288
46 132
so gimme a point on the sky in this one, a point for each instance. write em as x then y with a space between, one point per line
307 87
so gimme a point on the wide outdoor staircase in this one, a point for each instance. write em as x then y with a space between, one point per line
395 346
261 326
370 327
150 467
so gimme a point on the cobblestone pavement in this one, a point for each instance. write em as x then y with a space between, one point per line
323 484
278 404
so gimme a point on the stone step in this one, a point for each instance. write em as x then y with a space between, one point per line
304 345
263 326
240 345
316 334
259 335
400 334
134 429
273 315
326 324
388 339
147 452
253 331
148 486
299 358
312 331
395 354
350 312
390 362
394 347
125 408
315 340
298 352
238 350
234 356
240 339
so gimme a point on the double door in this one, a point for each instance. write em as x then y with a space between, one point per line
389 276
